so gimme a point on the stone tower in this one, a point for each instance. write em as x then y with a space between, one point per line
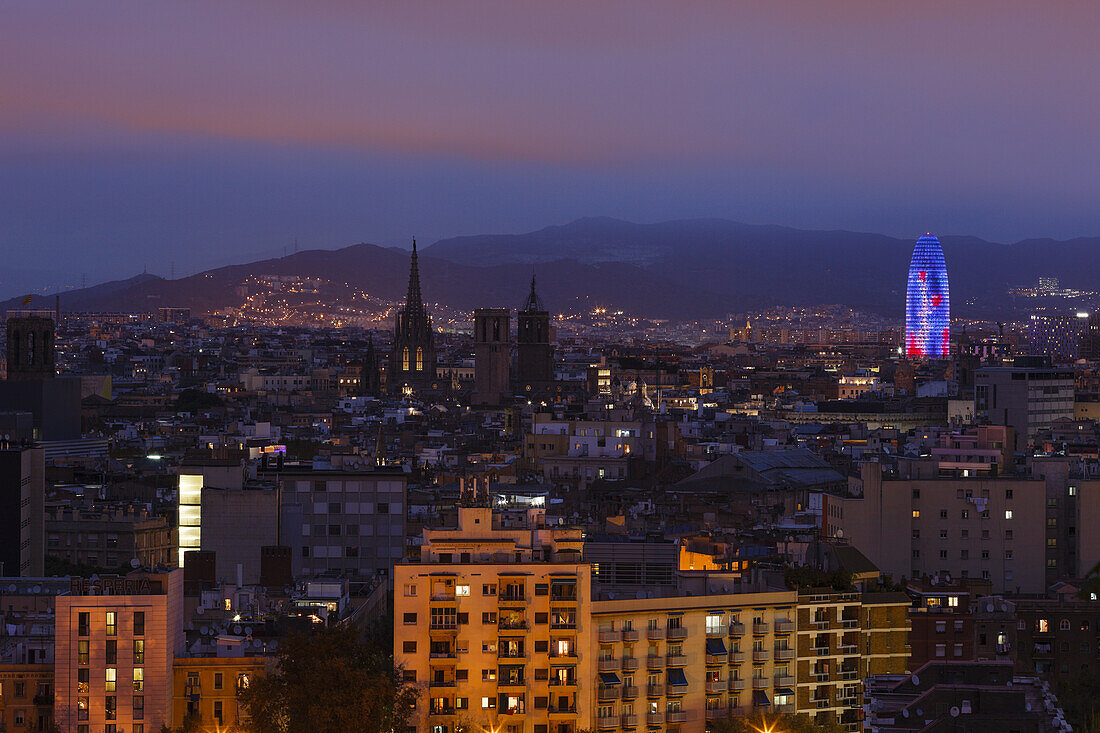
492 355
31 352
534 352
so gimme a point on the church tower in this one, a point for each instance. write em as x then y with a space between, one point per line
534 352
412 362
31 353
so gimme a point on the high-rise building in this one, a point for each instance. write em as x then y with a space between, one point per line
492 355
22 510
927 303
534 351
1058 336
1026 398
116 639
412 362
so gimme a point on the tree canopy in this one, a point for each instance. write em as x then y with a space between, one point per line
331 681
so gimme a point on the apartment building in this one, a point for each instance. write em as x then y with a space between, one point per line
26 697
1020 533
109 537
209 688
490 622
1027 398
676 663
504 627
116 639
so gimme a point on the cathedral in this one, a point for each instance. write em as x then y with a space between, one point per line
412 361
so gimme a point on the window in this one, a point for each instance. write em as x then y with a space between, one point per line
112 623
943 514
1008 514
139 651
139 679
82 652
941 650
82 708
1064 625
410 590
83 623
139 707
1042 626
409 618
218 711
408 647
419 358
405 359
965 514
218 680
488 589
83 677
462 590
916 514
139 623
111 676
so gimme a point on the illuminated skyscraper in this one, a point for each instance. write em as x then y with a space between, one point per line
927 303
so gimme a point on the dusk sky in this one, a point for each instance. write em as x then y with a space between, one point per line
204 133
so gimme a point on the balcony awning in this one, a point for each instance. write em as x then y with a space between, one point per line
676 677
784 691
716 646
609 678
760 698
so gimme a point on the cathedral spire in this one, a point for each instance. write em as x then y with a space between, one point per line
413 303
533 303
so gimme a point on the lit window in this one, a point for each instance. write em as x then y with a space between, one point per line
139 679
405 359
462 590
1008 514
112 623
952 600
111 677
916 514
419 359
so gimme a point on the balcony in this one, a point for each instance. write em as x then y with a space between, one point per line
511 598
821 651
441 683
821 677
607 722
736 684
784 627
655 690
563 682
715 687
676 660
654 661
849 623
507 625
504 654
441 711
820 623
444 626
562 709
442 655
713 659
784 680
713 633
848 649
609 637
677 633
630 664
654 718
760 655
631 635
443 597
759 627
564 597
607 694
677 716
512 682
737 657
629 721
716 713
787 708
821 704
736 629
608 665
655 634
759 683
562 624
784 653
630 692
848 674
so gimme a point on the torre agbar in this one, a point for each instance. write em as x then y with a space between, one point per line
927 302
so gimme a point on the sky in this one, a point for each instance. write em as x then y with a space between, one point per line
173 137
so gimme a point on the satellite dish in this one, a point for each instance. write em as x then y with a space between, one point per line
248 630
1027 706
274 645
954 711
200 610
915 680
205 630
237 629
905 713
135 563
36 589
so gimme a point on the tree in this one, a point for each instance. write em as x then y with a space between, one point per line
783 723
331 681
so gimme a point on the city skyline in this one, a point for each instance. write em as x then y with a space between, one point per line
228 131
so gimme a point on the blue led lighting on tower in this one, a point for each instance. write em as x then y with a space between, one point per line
927 303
